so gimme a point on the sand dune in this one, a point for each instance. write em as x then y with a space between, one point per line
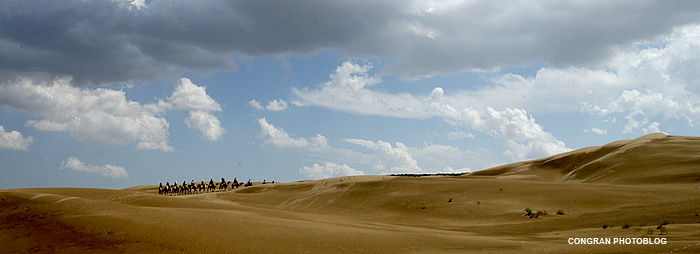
651 159
641 183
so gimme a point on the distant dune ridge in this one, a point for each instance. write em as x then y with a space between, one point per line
641 188
654 158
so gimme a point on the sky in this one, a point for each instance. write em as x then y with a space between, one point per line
120 93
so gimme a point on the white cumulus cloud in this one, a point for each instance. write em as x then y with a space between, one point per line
277 105
328 170
348 91
384 157
652 81
459 135
104 116
435 158
280 138
392 159
108 170
14 140
273 105
598 131
188 96
207 123
256 105
91 116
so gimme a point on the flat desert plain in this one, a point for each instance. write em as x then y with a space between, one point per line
645 189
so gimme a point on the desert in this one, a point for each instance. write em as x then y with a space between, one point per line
641 195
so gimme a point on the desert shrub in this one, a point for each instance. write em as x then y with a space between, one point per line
530 214
605 226
626 226
449 201
560 212
662 230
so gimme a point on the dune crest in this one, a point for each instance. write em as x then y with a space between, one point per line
650 159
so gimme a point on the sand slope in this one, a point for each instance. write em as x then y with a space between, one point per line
651 159
642 183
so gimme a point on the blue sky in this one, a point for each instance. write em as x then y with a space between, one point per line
115 94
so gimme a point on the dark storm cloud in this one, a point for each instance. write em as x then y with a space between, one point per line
99 42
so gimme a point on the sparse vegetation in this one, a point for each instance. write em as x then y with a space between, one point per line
662 227
560 212
626 226
449 201
605 226
530 214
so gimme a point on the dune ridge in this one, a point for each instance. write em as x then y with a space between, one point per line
641 188
651 159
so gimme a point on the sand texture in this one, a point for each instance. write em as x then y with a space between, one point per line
641 188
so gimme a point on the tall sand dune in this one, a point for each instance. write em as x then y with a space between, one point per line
635 189
651 159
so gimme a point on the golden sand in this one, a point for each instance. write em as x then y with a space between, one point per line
646 188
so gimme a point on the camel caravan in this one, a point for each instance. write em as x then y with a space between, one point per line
195 188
